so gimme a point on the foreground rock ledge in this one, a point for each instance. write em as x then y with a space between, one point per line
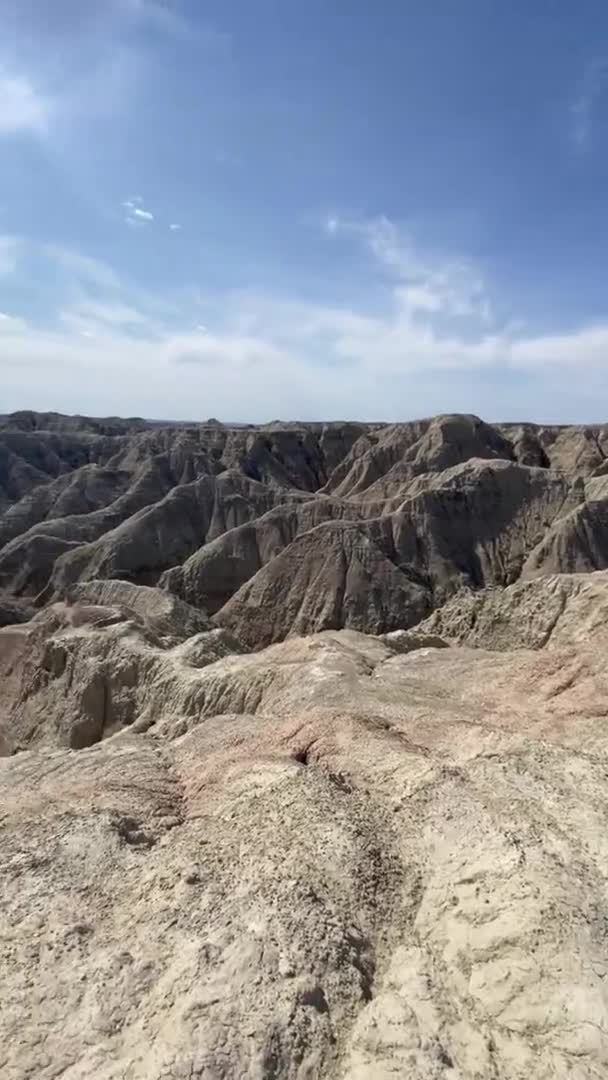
332 858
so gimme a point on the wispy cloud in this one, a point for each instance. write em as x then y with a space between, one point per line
162 16
93 66
174 226
82 268
427 341
583 106
92 318
135 213
425 282
169 19
10 325
10 249
23 107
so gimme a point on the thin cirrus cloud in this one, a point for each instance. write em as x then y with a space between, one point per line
429 340
23 107
169 20
161 16
135 212
10 250
44 93
74 267
423 283
585 102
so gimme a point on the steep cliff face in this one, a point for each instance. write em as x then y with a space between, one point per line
229 519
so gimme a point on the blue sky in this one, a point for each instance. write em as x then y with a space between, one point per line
334 209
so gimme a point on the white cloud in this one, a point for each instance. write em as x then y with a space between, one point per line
583 105
23 108
64 77
94 319
587 347
174 226
421 298
424 281
431 343
10 325
114 314
248 377
82 268
52 86
135 212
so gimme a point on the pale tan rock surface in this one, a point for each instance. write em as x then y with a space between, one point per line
560 609
325 859
228 850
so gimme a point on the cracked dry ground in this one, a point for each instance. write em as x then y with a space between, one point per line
331 858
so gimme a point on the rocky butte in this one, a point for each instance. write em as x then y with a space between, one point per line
304 737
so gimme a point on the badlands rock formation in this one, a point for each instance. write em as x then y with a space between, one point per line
304 737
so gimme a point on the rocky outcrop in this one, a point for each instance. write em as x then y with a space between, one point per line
231 850
576 543
59 490
28 459
472 525
563 609
382 463
78 672
167 532
332 576
157 611
326 859
27 561
81 491
30 421
573 451
404 515
217 569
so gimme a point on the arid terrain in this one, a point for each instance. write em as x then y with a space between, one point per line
304 737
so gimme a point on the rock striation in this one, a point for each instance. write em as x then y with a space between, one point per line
303 750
